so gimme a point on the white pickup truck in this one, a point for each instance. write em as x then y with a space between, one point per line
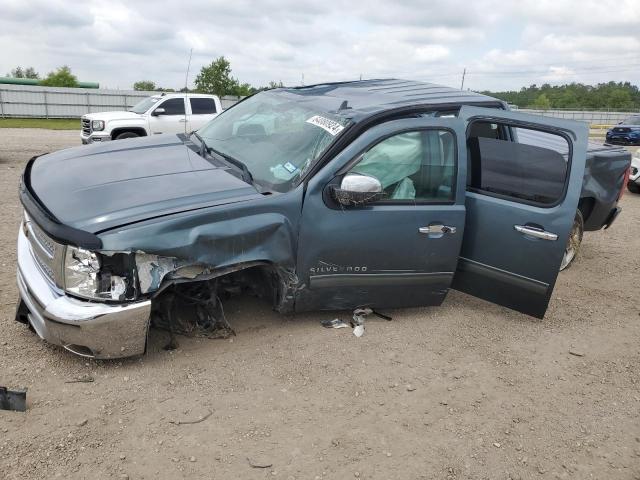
163 113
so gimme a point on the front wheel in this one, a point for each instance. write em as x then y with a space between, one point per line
633 187
574 241
124 135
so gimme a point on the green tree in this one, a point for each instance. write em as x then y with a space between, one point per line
542 102
619 95
620 99
30 72
62 77
19 72
243 90
145 85
16 73
216 79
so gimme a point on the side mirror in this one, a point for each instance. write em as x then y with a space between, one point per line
159 111
356 189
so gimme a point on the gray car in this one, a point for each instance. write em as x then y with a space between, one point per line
379 194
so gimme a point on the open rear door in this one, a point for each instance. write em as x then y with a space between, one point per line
520 202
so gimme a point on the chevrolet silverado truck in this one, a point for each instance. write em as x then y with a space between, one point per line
377 193
164 113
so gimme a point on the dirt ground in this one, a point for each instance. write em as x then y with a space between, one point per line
468 390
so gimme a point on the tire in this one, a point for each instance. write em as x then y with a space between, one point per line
573 242
633 187
124 135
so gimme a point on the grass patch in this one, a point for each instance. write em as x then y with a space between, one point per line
49 123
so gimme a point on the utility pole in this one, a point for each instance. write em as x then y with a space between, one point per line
464 72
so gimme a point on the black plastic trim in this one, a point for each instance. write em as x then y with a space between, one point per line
494 274
612 217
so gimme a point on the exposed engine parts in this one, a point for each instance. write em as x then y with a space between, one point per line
195 308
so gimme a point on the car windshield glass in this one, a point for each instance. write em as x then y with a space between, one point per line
632 121
275 136
144 105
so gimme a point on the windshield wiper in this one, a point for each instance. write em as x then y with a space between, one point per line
204 148
203 145
246 174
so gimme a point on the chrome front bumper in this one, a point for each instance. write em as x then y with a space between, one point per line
93 138
90 329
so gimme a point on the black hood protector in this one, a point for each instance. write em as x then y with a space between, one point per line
99 187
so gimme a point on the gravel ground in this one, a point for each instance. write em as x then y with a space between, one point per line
467 390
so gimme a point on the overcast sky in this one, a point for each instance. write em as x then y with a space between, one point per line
502 44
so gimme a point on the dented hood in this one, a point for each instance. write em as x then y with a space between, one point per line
98 187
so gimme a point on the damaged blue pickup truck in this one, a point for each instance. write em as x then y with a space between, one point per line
378 193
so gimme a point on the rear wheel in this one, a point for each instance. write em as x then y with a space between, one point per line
574 241
124 135
633 187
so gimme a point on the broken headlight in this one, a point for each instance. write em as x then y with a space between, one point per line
85 276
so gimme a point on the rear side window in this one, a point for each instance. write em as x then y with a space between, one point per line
202 106
173 106
533 172
541 139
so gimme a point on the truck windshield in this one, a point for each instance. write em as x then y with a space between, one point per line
144 105
275 136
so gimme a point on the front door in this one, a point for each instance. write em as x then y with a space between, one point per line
172 120
521 200
402 249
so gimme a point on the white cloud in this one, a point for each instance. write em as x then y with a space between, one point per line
502 44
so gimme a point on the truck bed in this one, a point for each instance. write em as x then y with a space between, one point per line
603 176
603 181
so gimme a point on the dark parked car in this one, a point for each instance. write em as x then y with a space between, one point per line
626 132
379 193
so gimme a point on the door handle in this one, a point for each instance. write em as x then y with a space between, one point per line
182 120
536 232
437 229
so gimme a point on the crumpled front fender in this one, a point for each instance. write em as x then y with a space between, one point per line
201 243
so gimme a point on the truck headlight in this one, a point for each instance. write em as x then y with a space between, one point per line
84 277
97 125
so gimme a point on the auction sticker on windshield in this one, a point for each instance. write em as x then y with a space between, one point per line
327 124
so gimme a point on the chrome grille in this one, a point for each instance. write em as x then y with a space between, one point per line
47 270
47 244
47 253
86 126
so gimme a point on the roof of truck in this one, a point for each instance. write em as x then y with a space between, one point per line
370 96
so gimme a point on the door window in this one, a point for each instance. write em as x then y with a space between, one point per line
202 106
531 171
417 166
173 106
